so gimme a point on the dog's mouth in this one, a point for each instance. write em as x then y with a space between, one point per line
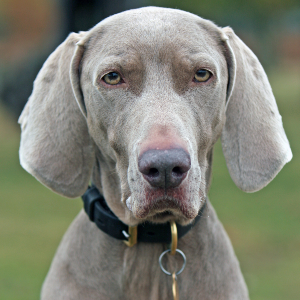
164 205
162 210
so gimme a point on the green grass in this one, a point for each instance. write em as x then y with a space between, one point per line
264 226
32 221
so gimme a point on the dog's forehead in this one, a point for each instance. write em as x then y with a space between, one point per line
154 29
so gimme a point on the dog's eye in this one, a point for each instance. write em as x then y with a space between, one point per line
112 78
202 75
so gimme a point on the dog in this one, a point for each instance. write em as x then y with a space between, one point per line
136 105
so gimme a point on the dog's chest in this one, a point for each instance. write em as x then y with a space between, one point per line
141 275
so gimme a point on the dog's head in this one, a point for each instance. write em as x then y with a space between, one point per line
139 101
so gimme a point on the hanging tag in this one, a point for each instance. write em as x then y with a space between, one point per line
175 287
173 250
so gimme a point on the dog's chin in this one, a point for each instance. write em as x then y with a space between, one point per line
164 216
168 216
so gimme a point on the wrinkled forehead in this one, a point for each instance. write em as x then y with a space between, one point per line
156 33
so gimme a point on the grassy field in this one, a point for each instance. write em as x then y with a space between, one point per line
264 227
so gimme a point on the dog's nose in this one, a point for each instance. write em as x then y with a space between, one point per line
164 168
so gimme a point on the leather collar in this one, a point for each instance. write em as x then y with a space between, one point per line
96 208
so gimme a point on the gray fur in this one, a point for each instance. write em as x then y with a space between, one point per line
75 128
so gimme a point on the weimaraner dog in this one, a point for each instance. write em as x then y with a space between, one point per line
135 105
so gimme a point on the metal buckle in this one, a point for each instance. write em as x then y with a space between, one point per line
132 236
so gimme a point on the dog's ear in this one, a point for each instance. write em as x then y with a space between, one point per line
55 144
253 139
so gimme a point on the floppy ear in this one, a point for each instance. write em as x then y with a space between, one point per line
55 144
253 140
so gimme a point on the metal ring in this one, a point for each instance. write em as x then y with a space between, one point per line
164 270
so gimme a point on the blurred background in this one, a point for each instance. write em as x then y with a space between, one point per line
264 227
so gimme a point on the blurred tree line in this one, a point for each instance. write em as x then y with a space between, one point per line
261 23
30 30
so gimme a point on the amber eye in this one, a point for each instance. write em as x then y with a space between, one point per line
202 75
112 78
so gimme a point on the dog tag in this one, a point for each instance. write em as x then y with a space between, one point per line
174 287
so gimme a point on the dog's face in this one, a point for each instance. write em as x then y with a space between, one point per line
164 96
154 87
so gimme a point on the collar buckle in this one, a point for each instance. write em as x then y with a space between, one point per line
132 236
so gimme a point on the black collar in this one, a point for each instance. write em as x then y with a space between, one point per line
98 212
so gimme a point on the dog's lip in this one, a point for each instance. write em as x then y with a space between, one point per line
163 215
163 205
